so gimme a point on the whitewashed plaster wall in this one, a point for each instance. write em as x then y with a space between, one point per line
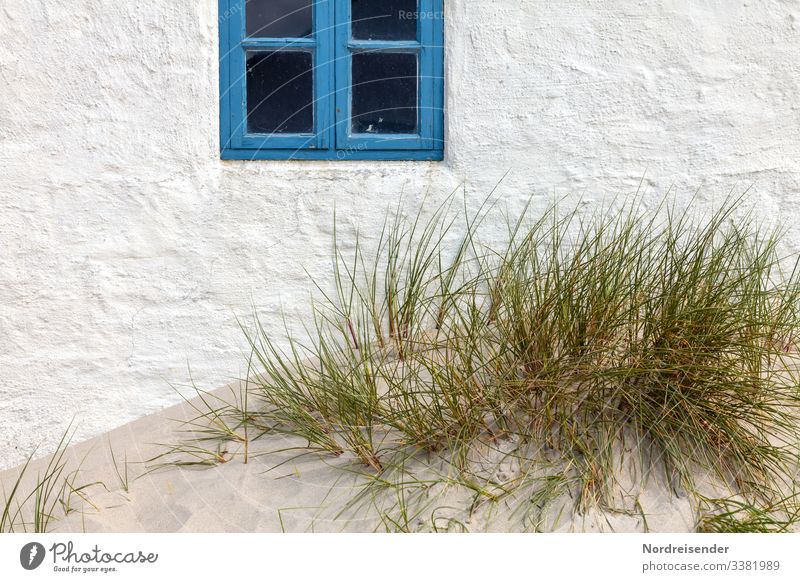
127 248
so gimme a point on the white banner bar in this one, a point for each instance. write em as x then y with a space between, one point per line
401 558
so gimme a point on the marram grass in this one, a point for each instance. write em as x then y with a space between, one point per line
32 505
583 350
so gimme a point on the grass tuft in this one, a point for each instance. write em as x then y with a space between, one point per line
534 370
53 494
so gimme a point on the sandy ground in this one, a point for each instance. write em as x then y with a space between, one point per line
276 491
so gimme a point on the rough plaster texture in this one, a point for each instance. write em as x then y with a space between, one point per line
127 247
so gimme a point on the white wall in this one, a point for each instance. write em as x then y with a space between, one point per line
127 247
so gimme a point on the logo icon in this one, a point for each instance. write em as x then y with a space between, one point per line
31 555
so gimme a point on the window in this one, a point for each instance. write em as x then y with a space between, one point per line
331 79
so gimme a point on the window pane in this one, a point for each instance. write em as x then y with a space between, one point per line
384 19
278 18
384 93
280 92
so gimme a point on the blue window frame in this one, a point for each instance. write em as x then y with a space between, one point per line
331 79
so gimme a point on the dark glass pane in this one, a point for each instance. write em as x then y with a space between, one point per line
278 18
280 92
384 93
384 19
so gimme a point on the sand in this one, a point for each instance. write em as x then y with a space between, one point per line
276 491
